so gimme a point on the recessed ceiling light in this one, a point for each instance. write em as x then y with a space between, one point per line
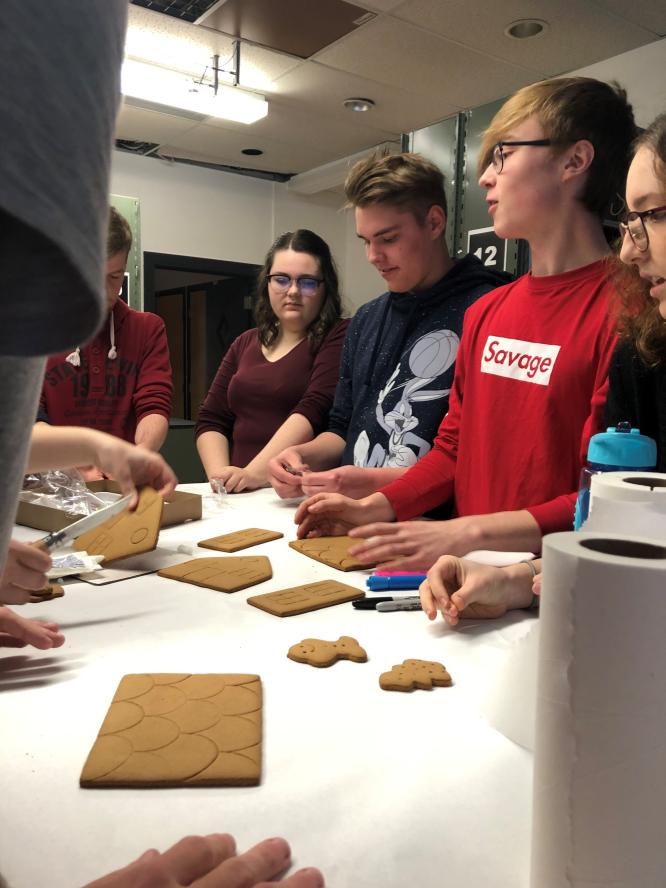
523 29
358 104
253 152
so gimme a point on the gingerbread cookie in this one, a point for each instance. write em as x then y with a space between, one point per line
332 550
316 652
48 593
411 674
301 599
240 539
130 533
223 574
179 730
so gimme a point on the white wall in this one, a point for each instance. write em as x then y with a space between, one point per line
193 211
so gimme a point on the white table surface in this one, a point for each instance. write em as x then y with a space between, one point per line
376 788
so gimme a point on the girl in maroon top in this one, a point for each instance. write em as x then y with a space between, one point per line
275 385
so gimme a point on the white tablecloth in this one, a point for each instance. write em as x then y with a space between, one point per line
375 788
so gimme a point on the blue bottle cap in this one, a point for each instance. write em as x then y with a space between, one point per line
622 448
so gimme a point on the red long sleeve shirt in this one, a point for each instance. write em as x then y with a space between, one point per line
112 395
251 397
529 390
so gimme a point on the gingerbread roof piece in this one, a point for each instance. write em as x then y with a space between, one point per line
179 730
240 539
225 574
309 597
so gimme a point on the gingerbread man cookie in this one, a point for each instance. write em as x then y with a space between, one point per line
316 652
415 674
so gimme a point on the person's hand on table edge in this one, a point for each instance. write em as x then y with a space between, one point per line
17 631
212 862
462 589
24 572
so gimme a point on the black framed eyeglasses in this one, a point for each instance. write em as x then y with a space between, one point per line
634 223
305 284
498 149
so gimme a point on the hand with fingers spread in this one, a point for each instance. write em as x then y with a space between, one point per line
16 631
24 572
414 545
331 514
212 862
462 589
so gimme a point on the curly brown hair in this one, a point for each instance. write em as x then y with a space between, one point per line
638 316
301 241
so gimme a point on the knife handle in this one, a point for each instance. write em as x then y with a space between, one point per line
49 542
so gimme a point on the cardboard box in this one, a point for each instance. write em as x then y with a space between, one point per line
178 508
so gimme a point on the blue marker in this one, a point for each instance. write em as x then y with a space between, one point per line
394 582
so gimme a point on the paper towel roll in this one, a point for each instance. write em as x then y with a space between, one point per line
600 741
628 487
628 502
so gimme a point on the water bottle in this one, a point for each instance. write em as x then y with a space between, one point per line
618 449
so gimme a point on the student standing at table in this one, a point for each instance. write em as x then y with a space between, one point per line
119 382
275 385
460 588
531 376
399 353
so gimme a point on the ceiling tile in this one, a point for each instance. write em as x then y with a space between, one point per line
395 53
579 32
319 89
216 145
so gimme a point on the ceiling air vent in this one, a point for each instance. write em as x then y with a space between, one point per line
187 10
136 147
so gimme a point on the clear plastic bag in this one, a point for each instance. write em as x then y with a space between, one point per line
62 489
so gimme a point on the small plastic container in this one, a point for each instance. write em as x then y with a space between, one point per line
618 449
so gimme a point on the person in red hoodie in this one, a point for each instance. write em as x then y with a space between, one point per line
120 382
532 370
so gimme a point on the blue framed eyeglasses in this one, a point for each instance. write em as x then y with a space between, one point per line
305 284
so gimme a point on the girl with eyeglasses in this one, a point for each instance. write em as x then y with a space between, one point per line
275 385
638 370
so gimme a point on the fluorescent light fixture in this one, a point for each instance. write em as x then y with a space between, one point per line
172 89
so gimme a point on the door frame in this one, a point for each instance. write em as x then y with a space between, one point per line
172 262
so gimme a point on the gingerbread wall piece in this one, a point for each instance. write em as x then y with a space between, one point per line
130 533
240 539
48 593
179 730
332 550
316 652
309 597
415 674
225 574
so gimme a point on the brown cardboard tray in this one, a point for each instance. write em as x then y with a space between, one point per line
178 508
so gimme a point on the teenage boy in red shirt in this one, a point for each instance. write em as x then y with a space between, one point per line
531 373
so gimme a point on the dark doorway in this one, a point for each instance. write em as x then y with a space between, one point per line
205 305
